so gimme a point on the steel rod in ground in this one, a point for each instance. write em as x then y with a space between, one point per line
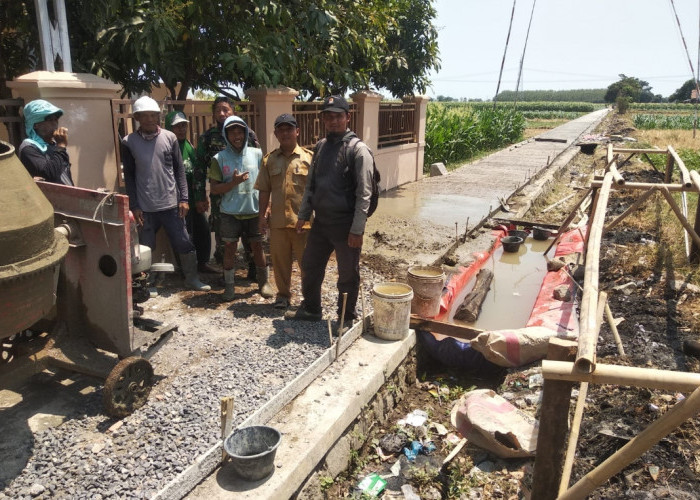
340 326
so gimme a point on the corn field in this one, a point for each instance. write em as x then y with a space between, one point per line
457 133
663 121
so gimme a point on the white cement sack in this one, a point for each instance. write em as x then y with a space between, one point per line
511 348
491 422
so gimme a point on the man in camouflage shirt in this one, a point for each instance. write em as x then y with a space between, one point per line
210 143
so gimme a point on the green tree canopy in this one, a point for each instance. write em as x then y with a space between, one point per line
315 46
683 93
632 88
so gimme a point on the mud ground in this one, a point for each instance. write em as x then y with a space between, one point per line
640 261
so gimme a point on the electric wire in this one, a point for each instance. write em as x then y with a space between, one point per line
522 58
505 51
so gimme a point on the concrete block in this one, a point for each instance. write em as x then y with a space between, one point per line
338 457
437 169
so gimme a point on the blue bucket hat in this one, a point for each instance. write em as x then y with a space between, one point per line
35 112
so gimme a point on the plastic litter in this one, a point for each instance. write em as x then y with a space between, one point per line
418 447
372 485
408 492
415 418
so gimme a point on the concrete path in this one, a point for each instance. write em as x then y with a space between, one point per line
473 191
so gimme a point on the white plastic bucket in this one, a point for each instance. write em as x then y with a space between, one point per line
392 309
427 283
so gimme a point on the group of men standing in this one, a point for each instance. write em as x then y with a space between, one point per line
312 203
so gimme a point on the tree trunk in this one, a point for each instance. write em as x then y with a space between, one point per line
471 307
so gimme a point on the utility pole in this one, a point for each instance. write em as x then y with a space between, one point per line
53 34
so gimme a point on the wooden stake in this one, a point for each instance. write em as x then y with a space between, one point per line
554 421
226 420
330 333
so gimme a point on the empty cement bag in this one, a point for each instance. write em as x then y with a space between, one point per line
487 420
511 348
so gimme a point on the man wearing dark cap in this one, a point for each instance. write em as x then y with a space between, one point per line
281 183
338 193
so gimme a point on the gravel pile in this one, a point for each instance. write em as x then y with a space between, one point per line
244 349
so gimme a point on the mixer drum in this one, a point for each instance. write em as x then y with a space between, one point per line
30 250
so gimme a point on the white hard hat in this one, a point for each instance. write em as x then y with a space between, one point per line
145 103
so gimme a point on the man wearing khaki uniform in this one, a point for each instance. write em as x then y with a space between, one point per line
281 183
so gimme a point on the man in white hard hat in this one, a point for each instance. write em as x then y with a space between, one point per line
155 182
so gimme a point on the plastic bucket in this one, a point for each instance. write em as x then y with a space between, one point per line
252 451
427 283
392 309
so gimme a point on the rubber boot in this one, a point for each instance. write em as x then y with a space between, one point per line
266 290
229 280
188 261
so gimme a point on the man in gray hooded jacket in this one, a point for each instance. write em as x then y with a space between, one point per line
338 191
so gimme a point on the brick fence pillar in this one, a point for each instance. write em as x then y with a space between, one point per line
270 103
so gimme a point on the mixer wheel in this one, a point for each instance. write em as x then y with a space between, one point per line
127 386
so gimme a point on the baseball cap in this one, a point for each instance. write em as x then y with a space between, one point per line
180 118
335 104
286 118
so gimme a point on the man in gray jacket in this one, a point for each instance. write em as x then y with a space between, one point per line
155 182
338 191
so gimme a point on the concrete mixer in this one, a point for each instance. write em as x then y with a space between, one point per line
71 268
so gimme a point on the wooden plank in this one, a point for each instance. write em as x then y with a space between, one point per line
547 139
645 185
639 151
525 223
443 328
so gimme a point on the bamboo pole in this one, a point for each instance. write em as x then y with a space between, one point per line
695 249
573 438
609 154
645 185
616 175
634 206
613 329
588 334
638 151
557 203
684 222
636 447
565 225
685 175
695 179
651 378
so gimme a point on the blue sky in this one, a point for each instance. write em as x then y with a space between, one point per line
572 44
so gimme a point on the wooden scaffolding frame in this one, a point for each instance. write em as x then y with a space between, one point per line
569 362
